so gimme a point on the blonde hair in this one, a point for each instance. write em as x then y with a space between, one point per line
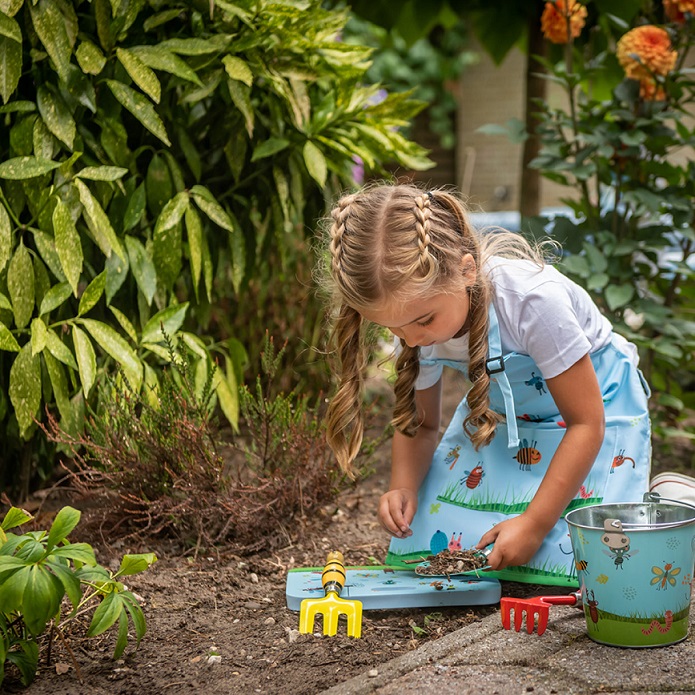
396 242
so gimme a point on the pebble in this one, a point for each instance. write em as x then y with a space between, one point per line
373 673
252 604
254 578
214 659
269 621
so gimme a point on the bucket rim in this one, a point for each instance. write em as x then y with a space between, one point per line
632 526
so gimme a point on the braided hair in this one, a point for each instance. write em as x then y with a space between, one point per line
395 243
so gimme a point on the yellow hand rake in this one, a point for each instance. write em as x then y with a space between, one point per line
331 606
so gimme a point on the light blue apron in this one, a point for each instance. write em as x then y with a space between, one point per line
466 492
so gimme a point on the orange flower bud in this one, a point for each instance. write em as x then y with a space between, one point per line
646 51
554 20
677 9
649 90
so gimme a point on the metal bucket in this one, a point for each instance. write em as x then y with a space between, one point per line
634 564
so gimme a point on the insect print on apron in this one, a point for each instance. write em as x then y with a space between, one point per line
466 492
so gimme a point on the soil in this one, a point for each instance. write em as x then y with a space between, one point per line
218 623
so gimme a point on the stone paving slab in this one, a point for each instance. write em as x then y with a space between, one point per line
485 659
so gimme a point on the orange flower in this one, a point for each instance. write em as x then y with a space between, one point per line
649 90
646 51
555 16
677 9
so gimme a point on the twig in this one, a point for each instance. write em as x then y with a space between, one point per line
70 652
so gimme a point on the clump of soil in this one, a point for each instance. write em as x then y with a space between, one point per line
450 562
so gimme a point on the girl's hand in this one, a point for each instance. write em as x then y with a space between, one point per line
515 542
396 510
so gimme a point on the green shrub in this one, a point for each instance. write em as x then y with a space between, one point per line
162 165
38 569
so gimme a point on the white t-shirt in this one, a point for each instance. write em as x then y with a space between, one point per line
542 314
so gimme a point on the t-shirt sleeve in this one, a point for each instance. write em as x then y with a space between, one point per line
550 330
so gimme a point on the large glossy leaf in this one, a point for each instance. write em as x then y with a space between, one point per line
104 173
140 107
63 524
25 388
56 115
172 212
166 254
238 69
39 336
140 73
116 347
168 321
86 359
68 245
315 163
43 593
194 233
8 342
241 96
54 297
51 28
59 349
56 374
20 285
18 168
98 222
134 564
9 26
106 614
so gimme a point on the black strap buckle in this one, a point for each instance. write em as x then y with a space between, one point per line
494 365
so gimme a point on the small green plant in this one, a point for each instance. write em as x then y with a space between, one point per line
38 569
428 625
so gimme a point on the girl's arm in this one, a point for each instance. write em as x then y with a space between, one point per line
578 397
410 460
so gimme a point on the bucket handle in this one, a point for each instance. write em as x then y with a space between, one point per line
656 497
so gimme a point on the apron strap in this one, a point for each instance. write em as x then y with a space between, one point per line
495 368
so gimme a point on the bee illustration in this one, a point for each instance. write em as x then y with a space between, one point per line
527 455
538 382
620 459
664 576
474 477
581 565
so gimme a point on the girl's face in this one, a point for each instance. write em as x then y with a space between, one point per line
431 320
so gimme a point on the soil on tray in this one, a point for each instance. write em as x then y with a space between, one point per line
218 622
449 562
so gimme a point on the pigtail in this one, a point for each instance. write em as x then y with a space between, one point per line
481 422
405 415
344 422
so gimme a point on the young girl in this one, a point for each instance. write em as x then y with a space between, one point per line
556 416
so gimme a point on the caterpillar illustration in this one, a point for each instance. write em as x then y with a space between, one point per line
668 620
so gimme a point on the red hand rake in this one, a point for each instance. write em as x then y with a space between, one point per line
537 606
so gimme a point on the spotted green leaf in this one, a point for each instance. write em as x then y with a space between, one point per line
142 75
20 285
104 173
86 358
19 168
55 296
166 254
68 245
7 340
51 28
90 58
125 323
10 54
159 58
172 212
238 69
194 232
241 96
140 107
209 205
142 268
25 388
5 237
59 349
195 46
168 321
117 348
56 115
92 293
56 374
98 222
39 334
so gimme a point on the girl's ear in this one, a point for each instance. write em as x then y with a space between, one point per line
469 269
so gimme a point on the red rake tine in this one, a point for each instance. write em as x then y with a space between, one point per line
537 606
